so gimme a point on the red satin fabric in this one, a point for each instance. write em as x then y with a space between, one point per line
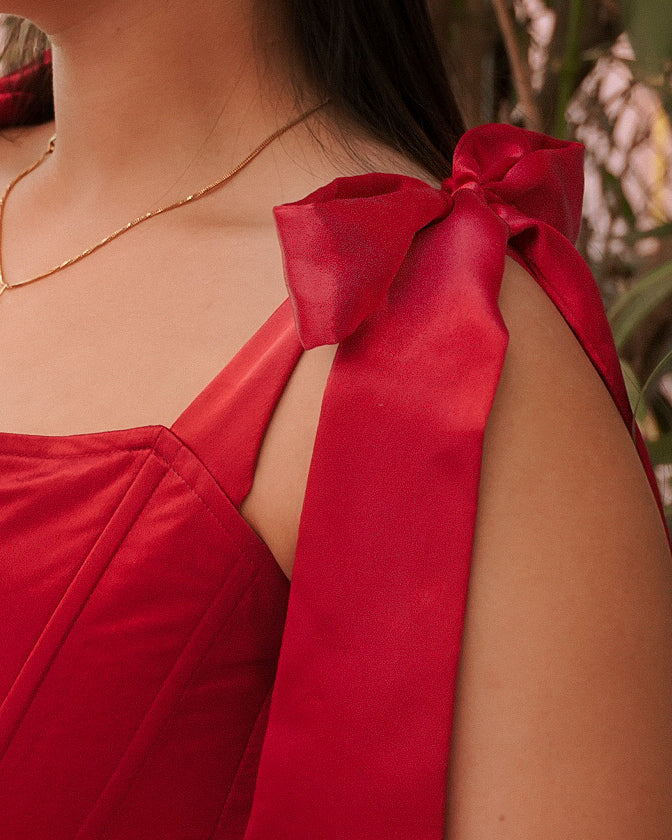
16 96
144 617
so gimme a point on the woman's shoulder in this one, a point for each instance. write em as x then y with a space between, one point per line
569 604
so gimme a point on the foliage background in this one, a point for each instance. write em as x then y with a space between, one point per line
599 71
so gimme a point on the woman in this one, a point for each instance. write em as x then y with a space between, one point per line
143 613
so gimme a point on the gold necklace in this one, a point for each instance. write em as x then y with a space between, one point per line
4 285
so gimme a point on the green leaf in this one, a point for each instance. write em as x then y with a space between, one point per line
661 450
635 306
634 390
570 66
649 25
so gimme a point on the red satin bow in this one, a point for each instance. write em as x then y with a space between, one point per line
406 277
345 243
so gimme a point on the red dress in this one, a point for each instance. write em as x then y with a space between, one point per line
143 637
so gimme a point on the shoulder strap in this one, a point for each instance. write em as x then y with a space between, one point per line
226 423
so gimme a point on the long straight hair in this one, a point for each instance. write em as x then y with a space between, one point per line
377 61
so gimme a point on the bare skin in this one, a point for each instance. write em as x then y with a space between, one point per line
562 726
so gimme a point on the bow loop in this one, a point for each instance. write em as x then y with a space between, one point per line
343 246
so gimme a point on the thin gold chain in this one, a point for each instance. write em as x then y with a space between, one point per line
201 193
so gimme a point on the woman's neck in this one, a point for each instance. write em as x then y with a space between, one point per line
157 93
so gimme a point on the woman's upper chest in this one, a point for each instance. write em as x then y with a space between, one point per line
130 335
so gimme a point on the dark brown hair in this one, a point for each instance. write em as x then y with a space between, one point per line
379 63
376 60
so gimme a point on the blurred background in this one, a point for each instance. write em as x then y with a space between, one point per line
598 71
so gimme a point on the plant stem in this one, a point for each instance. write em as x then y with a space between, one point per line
569 69
519 67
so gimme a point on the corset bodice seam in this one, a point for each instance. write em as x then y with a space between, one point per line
100 814
222 491
78 456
